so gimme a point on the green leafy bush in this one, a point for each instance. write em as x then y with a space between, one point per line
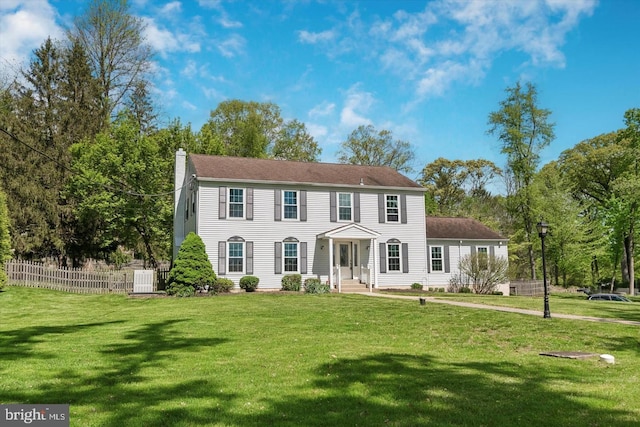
417 286
221 286
191 268
465 290
292 282
315 286
249 283
180 290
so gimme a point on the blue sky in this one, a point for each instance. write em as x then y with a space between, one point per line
429 71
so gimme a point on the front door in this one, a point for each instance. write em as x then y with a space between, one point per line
345 260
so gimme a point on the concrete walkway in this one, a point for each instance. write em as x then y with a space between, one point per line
430 300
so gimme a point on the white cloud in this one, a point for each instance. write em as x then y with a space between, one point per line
24 26
232 46
313 38
356 104
189 106
323 109
317 131
164 41
171 8
453 41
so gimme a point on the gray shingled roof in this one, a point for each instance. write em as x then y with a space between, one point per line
250 169
459 228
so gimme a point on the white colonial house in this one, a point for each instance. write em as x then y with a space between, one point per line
450 239
347 225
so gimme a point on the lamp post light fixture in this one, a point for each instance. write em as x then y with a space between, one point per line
543 229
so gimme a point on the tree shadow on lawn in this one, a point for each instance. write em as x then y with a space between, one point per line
406 390
119 393
19 344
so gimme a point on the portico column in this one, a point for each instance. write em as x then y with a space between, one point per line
331 263
375 263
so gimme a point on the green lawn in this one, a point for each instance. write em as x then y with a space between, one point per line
309 360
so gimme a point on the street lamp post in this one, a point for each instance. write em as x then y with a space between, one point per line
543 228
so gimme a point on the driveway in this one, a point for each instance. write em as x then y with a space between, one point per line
433 300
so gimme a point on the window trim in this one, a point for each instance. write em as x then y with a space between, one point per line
484 250
229 257
386 208
284 205
432 259
244 203
338 206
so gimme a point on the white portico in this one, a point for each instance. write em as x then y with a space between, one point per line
352 255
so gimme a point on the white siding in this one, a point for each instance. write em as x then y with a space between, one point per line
263 231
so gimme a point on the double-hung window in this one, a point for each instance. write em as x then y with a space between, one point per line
345 205
290 199
236 257
437 259
483 258
236 203
393 256
392 208
290 257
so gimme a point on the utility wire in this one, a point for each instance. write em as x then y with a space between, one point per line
108 187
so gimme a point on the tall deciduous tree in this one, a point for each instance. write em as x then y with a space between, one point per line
255 129
524 131
122 192
367 146
116 47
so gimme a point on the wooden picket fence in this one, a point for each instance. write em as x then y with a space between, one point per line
36 275
527 287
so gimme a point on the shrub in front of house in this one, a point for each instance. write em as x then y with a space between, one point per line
222 285
191 268
465 290
249 283
315 286
416 286
291 282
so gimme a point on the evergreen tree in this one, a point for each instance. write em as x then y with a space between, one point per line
191 268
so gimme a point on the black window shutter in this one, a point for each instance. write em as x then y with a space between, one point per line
333 215
356 207
222 258
383 257
492 251
222 203
428 259
405 257
447 266
381 208
249 204
303 257
403 208
303 205
277 194
249 256
278 258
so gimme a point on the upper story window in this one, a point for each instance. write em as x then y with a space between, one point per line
437 259
290 204
236 203
393 256
345 207
392 208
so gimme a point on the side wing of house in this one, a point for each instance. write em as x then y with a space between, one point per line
444 255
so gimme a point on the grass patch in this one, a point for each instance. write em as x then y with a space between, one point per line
291 360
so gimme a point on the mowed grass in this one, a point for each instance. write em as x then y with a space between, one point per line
309 360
